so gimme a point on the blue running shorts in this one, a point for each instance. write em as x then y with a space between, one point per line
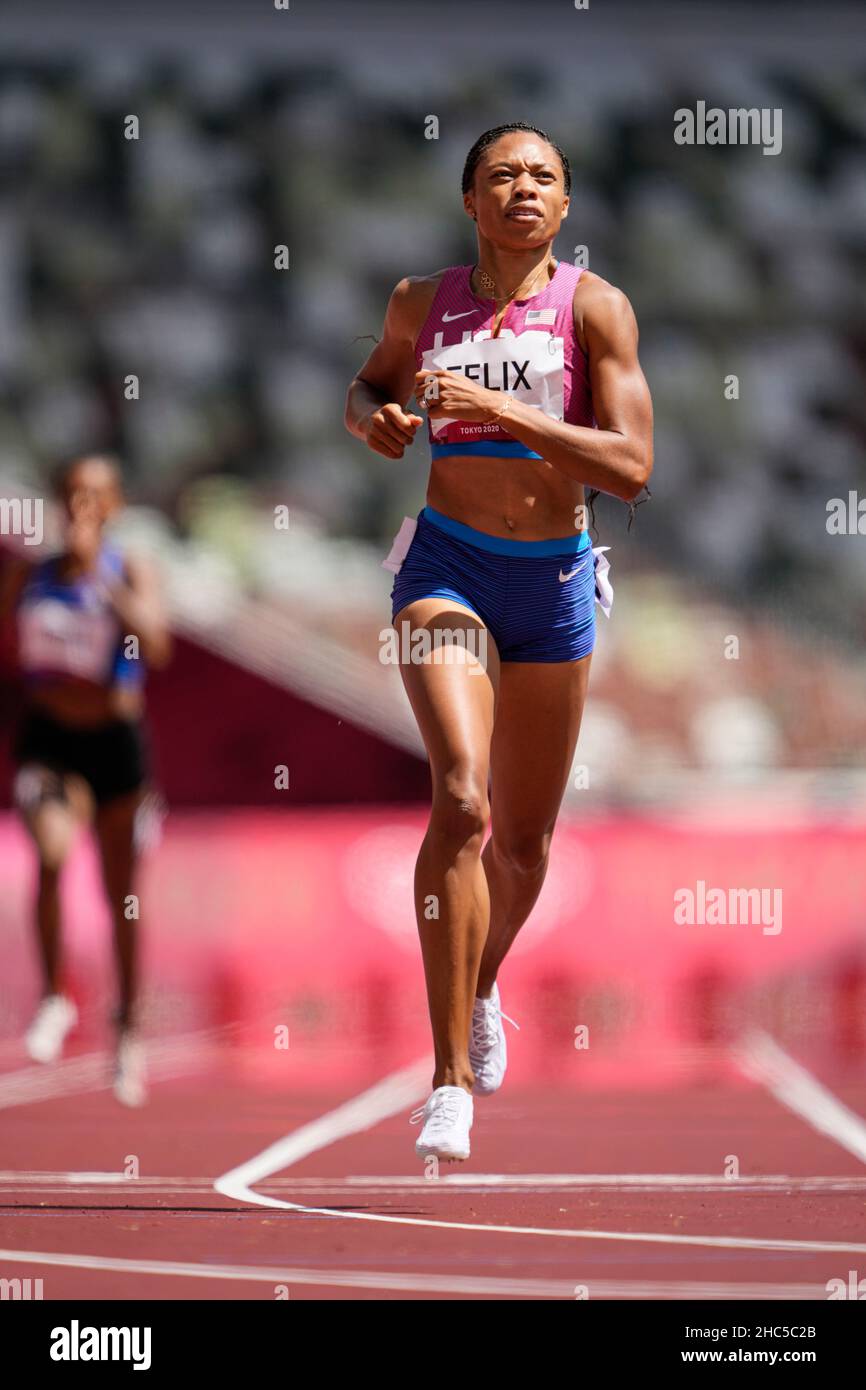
537 598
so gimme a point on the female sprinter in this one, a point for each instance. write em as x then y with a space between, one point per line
80 748
530 372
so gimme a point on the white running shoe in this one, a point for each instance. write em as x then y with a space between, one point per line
54 1018
130 1072
447 1118
488 1055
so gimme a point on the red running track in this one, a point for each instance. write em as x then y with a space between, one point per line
601 1190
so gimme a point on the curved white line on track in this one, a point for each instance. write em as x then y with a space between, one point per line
764 1061
479 1285
389 1097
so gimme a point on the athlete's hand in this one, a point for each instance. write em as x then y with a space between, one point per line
389 429
453 395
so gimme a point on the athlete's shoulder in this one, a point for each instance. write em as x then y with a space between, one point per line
600 305
594 289
415 284
411 302
595 294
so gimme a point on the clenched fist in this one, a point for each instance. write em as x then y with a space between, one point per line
389 429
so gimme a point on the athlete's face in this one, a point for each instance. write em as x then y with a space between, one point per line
518 195
92 492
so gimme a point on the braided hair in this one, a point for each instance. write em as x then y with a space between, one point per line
491 136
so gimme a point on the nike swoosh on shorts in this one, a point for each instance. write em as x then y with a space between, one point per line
564 577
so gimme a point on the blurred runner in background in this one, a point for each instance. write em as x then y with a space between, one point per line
89 620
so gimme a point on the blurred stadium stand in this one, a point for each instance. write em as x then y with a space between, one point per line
155 257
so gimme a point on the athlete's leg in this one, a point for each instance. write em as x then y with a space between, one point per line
453 696
115 833
534 737
51 807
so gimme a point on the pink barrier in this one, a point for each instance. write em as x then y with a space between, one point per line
258 918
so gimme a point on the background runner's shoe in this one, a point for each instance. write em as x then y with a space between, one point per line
54 1018
130 1073
488 1054
447 1118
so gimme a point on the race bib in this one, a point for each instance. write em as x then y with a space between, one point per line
56 638
529 367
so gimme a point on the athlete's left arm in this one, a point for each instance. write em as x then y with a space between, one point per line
138 602
617 457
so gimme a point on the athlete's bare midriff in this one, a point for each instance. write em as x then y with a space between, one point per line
85 706
523 499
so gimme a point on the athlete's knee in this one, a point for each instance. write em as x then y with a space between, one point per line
524 852
49 872
35 787
39 798
461 810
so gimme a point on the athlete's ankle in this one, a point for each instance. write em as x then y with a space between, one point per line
454 1076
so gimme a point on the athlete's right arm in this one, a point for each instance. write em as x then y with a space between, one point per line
376 401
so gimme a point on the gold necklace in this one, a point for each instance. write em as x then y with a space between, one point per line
488 283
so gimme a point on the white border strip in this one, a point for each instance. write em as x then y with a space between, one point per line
479 1286
763 1060
533 1183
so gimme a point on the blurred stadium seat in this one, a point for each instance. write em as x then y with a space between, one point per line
155 257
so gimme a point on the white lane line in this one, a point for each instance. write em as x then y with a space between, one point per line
74 1179
167 1058
31 1084
420 1283
550 1181
468 1182
387 1098
761 1059
564 1233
